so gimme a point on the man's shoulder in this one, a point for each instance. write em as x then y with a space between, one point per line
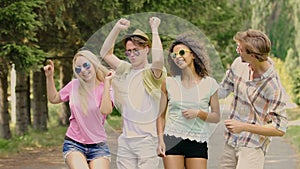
237 61
124 67
238 65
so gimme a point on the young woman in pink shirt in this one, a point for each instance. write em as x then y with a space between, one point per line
90 98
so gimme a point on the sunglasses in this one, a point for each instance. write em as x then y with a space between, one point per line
181 52
85 65
130 52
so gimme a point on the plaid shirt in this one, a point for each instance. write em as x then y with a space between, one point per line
260 101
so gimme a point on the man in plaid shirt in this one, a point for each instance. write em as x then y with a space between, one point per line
257 110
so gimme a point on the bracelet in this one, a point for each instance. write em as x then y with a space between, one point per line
198 115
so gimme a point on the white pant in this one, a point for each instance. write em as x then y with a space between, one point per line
242 157
137 153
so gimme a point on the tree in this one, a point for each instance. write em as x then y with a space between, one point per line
40 108
67 25
19 46
296 56
219 20
60 39
4 115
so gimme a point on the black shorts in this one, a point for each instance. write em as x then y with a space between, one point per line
185 147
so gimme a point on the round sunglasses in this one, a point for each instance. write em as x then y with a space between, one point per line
181 52
135 52
85 65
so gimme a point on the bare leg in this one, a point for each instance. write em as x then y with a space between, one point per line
76 160
173 162
196 163
102 163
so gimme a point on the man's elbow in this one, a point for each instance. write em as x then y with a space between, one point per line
280 133
218 119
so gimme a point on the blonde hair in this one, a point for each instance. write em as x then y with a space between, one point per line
100 70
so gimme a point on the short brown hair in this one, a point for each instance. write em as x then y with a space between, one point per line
255 42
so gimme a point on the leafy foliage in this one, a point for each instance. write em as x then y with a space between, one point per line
219 20
284 76
18 38
296 87
281 28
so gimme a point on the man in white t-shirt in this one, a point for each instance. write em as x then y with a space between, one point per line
137 93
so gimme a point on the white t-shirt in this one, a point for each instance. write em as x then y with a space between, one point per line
139 109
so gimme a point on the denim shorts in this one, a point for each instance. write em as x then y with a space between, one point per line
90 151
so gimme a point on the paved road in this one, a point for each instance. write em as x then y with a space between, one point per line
281 155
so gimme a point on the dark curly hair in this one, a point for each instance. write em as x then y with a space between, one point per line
201 61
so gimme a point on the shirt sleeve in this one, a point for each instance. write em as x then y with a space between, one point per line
214 86
277 110
124 67
153 84
227 84
65 91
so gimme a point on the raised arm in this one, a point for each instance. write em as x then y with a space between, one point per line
52 94
157 49
106 106
107 50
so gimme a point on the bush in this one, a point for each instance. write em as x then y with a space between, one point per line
296 87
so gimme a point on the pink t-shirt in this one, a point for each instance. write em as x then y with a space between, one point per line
85 128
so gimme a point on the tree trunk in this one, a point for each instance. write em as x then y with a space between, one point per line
65 77
28 101
22 114
4 115
40 109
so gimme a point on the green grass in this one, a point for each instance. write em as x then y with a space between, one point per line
42 139
293 136
293 114
34 139
292 133
115 122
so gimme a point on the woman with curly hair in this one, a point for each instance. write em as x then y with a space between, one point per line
188 104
